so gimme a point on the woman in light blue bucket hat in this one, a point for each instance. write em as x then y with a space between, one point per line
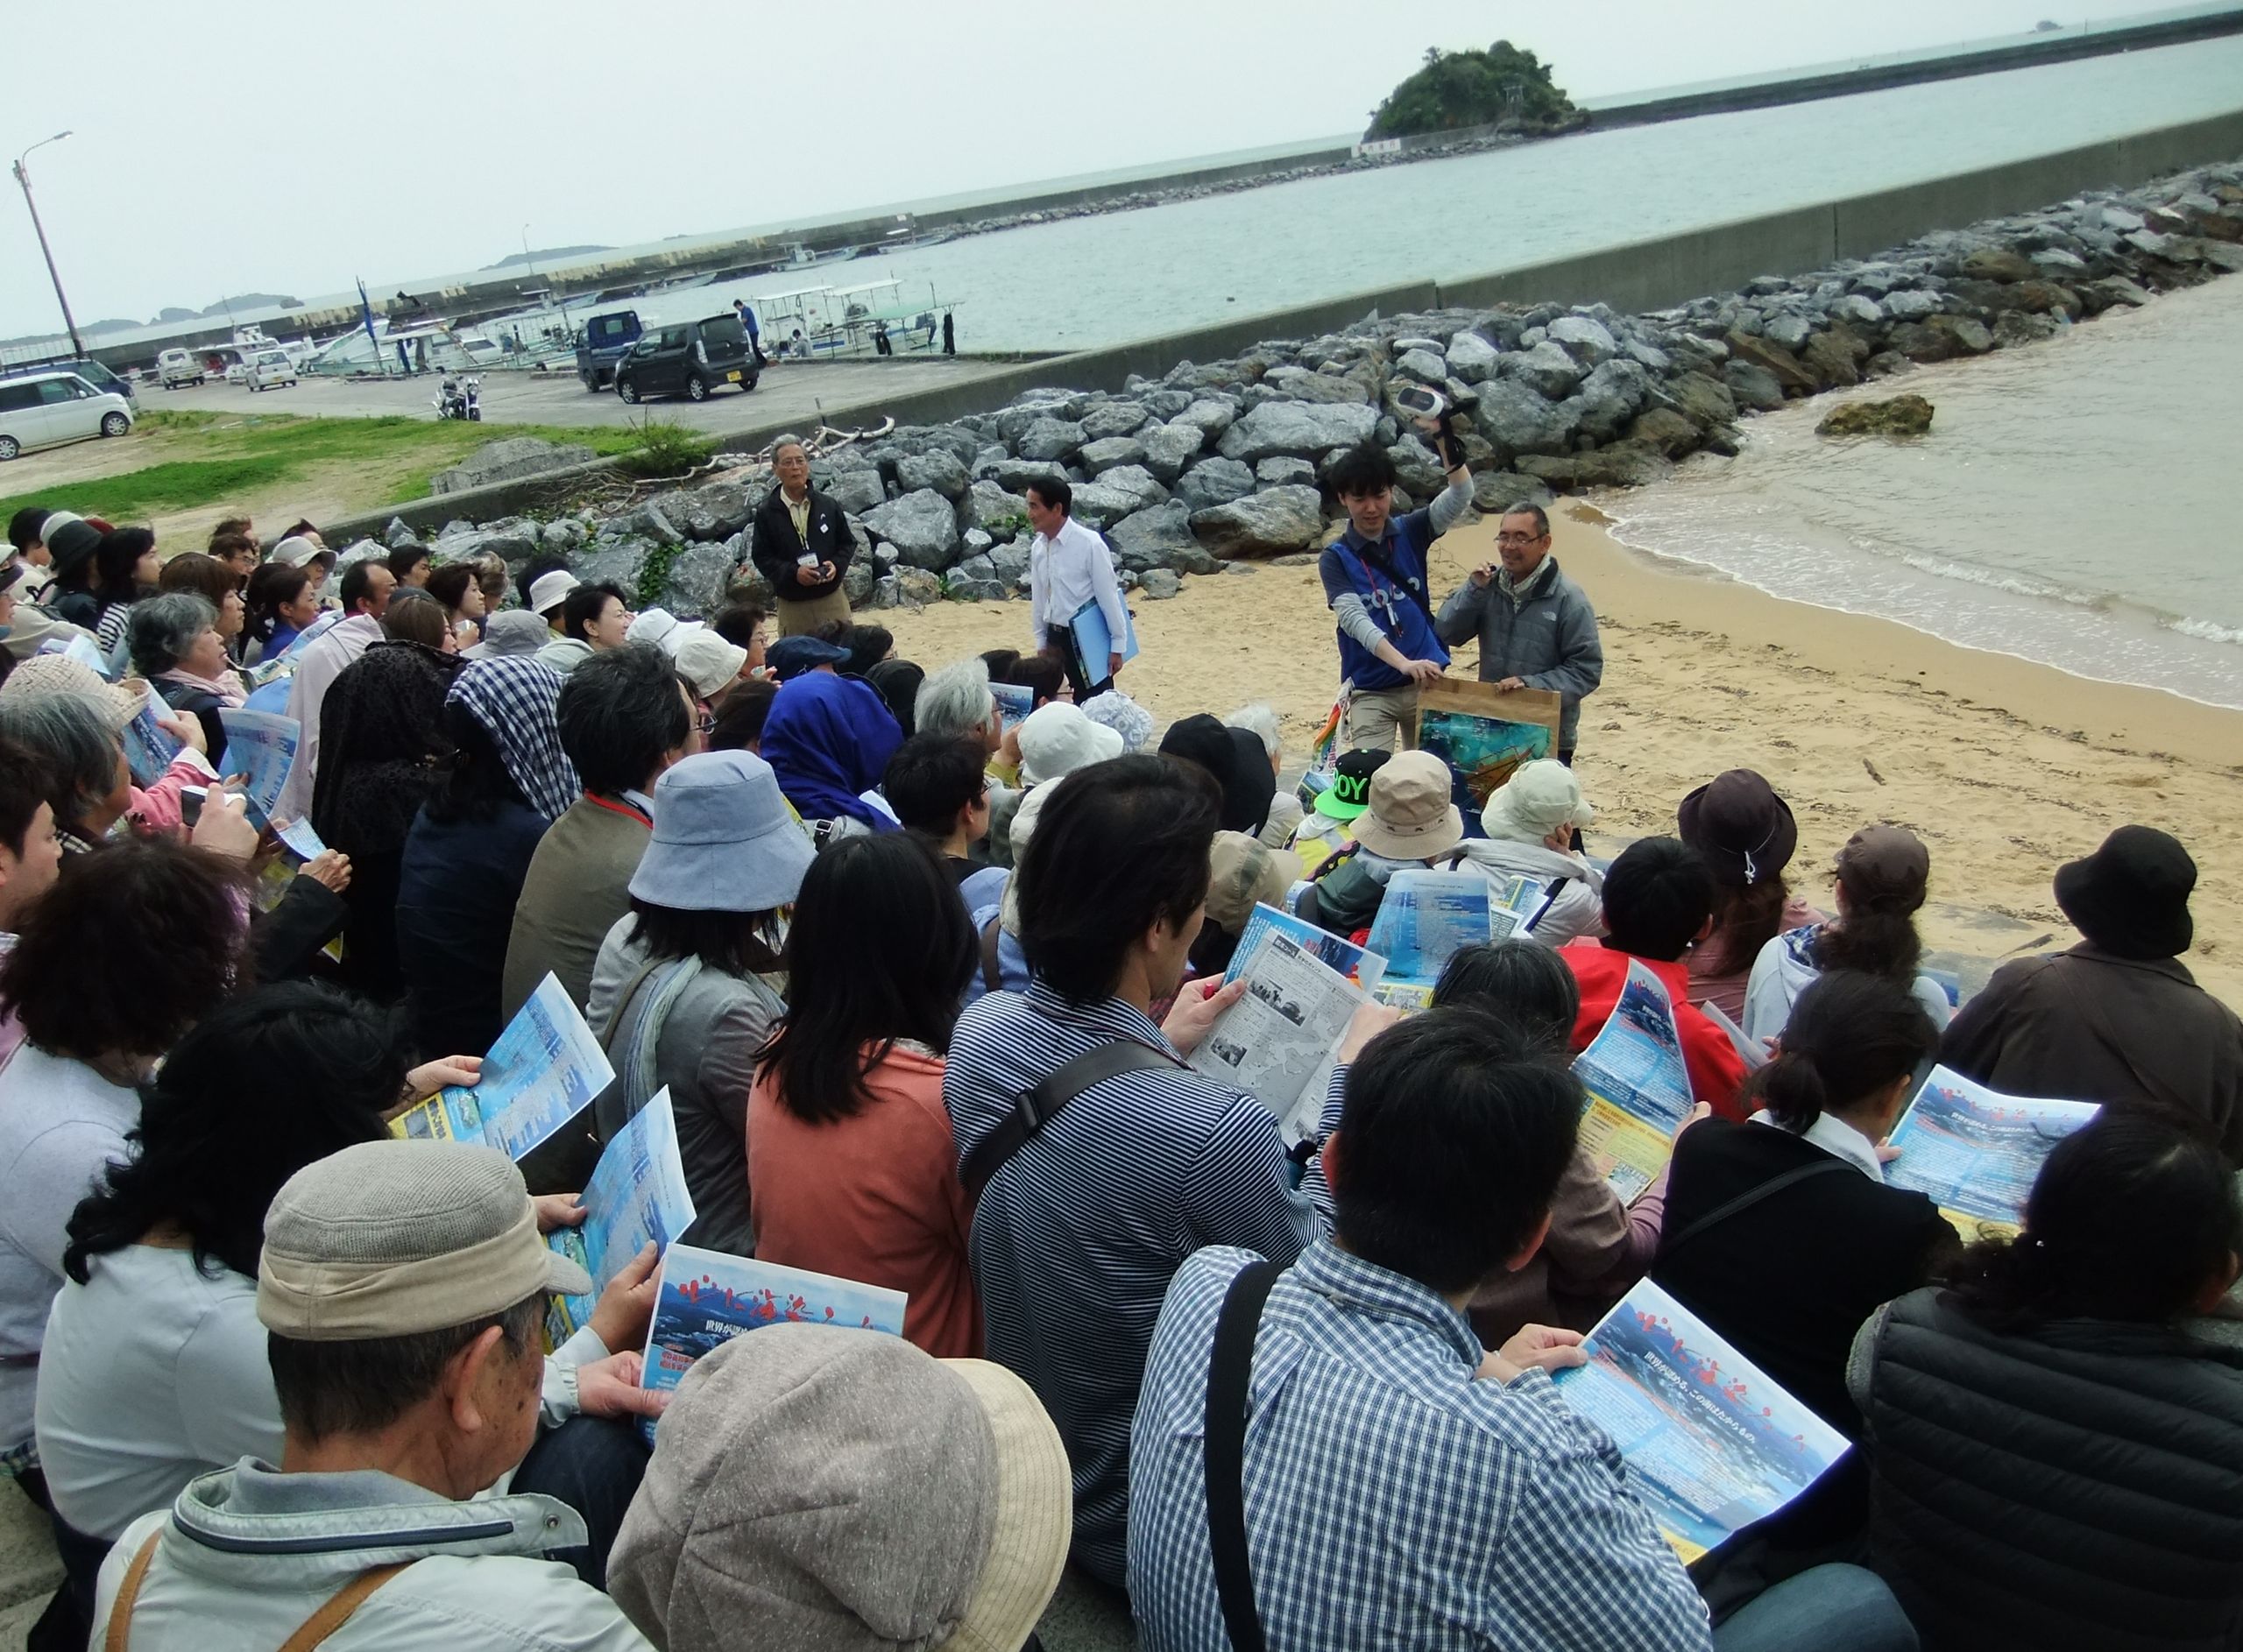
687 984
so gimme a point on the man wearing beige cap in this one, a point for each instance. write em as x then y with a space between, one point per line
401 1285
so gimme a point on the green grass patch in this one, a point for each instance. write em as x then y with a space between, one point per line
217 459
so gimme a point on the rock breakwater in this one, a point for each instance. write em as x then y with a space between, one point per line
1222 461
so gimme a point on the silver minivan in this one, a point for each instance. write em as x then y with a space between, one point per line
44 410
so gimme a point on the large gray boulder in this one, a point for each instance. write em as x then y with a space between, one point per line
1209 415
1471 358
1158 584
1307 430
1282 471
1101 503
1014 475
1910 305
1426 366
1106 452
1547 370
1790 331
1213 482
1586 340
1050 439
1271 524
923 526
1013 423
936 468
508 461
1169 448
1753 386
1153 537
1134 481
855 491
695 585
1297 383
614 561
1609 398
1518 419
1112 419
999 514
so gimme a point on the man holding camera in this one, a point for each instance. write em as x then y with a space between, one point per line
1374 583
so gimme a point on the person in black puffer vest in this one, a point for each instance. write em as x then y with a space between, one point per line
2056 1461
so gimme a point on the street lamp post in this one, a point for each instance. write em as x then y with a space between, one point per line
24 178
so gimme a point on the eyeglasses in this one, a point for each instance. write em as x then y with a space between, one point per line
1520 539
706 723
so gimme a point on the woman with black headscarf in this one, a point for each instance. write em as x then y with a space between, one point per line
382 749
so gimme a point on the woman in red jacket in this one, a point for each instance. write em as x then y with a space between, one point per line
851 1166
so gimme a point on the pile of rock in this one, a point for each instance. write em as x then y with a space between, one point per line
1222 463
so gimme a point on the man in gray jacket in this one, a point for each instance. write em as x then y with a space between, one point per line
401 1285
1535 626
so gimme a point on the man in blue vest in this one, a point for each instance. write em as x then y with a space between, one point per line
1374 583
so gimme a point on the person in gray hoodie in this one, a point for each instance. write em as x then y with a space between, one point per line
1535 626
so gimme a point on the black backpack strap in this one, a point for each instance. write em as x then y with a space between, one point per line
992 971
1751 1196
1033 1109
1230 1369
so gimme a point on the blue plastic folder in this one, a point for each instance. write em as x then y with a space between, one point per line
1094 643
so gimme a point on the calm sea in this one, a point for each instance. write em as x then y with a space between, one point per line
2076 503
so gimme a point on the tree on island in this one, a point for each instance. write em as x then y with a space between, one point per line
1502 85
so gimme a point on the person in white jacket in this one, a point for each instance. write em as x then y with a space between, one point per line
1530 822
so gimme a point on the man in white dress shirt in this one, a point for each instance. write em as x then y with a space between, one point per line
1069 565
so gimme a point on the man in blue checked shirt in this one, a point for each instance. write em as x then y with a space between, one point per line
1402 1486
1076 1236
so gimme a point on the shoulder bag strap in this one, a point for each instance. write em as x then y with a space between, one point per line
336 1613
1557 888
993 969
1747 1200
623 1006
1230 1370
1035 1108
128 1595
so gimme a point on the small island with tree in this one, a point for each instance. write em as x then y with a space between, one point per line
1503 87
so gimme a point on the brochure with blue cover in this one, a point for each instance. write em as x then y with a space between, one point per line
709 1297
1426 917
262 748
1976 1151
636 1195
1711 1442
545 1069
1359 965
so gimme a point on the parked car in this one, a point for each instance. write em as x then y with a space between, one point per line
268 369
605 340
690 360
92 371
47 409
177 367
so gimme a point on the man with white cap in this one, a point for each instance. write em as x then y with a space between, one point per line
1531 820
547 593
401 1287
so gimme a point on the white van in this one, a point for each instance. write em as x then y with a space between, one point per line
268 368
177 367
44 410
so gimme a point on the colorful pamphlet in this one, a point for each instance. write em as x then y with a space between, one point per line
1426 917
1484 733
1976 1151
1280 1042
1015 700
1750 1050
709 1297
1711 1442
1359 964
543 1071
262 748
1638 1086
149 747
636 1194
79 648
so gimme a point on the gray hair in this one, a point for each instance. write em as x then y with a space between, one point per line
1527 507
955 702
1261 720
789 440
163 629
72 735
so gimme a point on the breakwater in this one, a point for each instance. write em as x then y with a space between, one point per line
1211 462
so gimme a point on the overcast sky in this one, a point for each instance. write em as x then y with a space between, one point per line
290 145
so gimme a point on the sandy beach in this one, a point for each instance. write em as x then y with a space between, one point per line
2004 767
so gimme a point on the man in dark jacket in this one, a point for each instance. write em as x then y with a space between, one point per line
2118 1018
803 544
1535 626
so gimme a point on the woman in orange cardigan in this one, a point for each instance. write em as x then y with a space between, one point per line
851 1166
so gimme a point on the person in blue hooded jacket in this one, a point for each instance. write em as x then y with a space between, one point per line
828 738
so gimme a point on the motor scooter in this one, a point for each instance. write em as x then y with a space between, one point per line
460 398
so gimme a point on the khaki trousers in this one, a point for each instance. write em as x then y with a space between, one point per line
1380 719
796 619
